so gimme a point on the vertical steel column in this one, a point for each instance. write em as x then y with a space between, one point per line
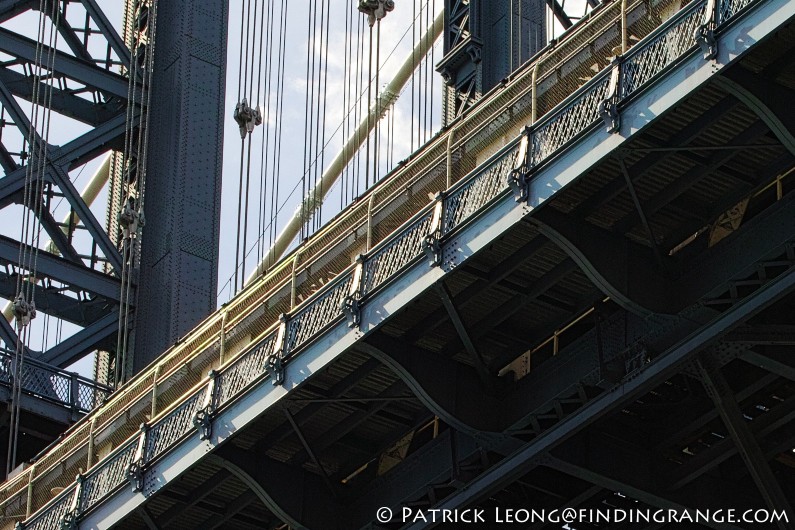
484 42
179 256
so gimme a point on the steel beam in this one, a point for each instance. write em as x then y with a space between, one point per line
11 8
108 31
622 270
8 334
81 343
535 290
215 508
764 335
60 177
149 520
194 497
769 363
560 14
325 440
66 65
62 102
709 459
665 437
689 179
78 277
340 388
779 165
457 398
233 507
771 102
723 398
431 465
501 271
463 334
69 35
689 132
514 466
308 450
639 493
294 495
80 312
59 238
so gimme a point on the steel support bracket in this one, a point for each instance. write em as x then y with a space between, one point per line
519 176
518 180
69 520
351 304
202 419
276 368
135 472
432 243
275 359
705 33
608 107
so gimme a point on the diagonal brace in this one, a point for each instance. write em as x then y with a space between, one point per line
723 397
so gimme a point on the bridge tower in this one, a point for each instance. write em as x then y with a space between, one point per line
179 252
483 43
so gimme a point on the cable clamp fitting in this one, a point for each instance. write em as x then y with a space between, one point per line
247 117
375 9
24 311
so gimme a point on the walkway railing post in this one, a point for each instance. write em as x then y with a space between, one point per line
608 107
135 472
705 33
351 303
433 245
275 359
519 176
202 419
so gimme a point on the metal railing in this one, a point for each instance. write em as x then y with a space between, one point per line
422 235
53 384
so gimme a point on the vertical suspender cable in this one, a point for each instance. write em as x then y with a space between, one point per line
355 140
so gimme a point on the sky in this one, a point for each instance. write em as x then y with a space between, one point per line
395 46
322 52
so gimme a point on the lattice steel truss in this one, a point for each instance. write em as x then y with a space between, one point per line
77 276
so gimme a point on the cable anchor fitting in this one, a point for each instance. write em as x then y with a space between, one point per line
704 34
202 420
247 117
375 9
276 368
519 176
130 219
24 311
608 107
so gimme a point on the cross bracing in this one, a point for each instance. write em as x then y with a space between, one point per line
66 100
611 342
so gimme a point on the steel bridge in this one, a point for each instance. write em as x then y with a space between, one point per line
593 309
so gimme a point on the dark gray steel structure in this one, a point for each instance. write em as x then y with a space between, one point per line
178 262
182 202
79 284
483 43
598 314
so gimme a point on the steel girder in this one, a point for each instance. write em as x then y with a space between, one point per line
86 88
415 281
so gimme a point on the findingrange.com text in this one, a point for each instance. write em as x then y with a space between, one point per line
580 515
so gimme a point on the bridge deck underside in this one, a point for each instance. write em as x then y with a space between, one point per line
616 269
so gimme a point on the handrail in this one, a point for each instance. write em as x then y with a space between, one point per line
50 383
194 399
